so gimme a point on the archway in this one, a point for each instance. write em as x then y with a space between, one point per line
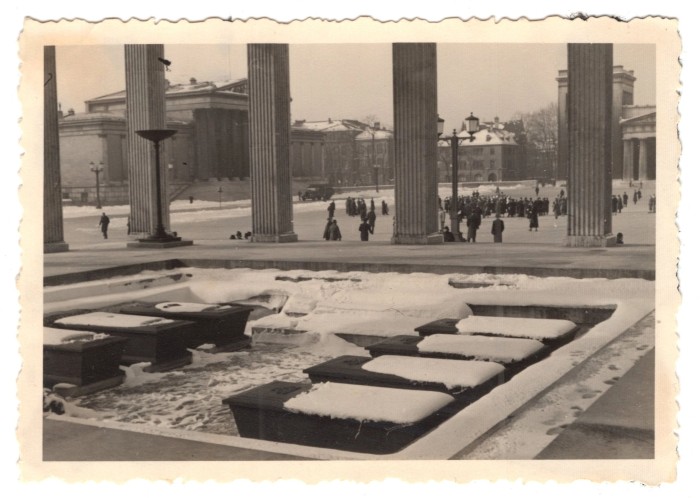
493 177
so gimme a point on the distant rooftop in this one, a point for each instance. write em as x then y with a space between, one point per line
238 86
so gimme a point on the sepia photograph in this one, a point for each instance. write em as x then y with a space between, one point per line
248 244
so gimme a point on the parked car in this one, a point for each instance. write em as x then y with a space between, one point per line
318 192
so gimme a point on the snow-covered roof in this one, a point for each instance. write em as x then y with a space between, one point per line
93 116
182 88
378 404
486 136
378 135
328 125
453 374
528 328
114 320
499 349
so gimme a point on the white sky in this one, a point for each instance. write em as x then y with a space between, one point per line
355 80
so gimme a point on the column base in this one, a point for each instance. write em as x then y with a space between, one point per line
279 238
157 244
590 241
433 238
50 247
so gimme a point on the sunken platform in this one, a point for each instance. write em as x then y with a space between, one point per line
329 416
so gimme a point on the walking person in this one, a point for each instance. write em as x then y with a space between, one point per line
327 230
331 209
497 228
371 219
473 223
334 231
534 221
364 231
104 224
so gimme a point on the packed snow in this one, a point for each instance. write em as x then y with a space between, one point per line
453 374
114 320
56 337
379 404
528 328
499 349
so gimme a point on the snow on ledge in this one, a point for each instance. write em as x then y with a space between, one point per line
529 328
452 373
115 320
56 337
499 349
176 307
368 403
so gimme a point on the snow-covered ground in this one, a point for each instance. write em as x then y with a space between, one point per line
321 304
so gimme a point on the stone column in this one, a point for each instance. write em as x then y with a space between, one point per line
53 203
589 184
643 159
415 143
270 128
627 159
145 110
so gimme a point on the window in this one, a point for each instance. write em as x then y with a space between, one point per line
492 164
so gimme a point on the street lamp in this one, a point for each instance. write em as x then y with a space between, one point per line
455 141
156 136
97 169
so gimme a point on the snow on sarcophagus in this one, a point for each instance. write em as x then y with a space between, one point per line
81 362
162 342
467 381
222 325
366 419
513 354
551 332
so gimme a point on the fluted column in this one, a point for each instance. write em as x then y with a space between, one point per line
643 159
145 110
53 204
270 136
627 159
415 143
589 184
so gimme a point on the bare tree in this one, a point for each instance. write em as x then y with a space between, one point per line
542 139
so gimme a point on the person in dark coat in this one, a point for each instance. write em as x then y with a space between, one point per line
385 208
447 235
534 221
473 224
497 228
327 230
104 224
625 197
364 231
371 219
334 231
614 204
331 209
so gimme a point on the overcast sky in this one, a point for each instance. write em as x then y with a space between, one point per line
354 81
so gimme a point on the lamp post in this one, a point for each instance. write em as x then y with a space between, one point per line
156 136
219 190
455 141
97 169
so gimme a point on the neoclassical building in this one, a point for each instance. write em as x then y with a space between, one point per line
633 133
638 125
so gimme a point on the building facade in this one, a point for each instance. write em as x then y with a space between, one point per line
638 129
622 98
493 156
211 119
